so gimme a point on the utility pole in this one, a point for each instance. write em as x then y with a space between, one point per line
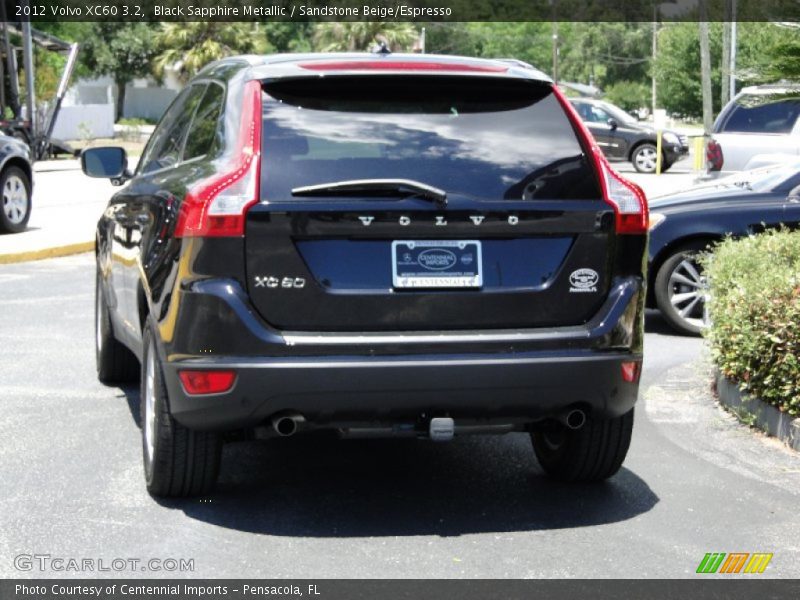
653 67
725 62
555 52
705 69
732 69
27 55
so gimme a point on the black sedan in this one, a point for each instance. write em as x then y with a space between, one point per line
686 223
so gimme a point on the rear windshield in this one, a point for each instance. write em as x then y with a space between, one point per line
488 139
761 113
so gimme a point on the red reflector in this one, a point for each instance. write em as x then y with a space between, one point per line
631 371
400 65
207 382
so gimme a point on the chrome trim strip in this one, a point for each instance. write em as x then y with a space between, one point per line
299 338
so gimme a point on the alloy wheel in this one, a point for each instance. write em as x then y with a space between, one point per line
645 160
687 291
15 200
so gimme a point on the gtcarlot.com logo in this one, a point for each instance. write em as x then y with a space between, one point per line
72 564
734 563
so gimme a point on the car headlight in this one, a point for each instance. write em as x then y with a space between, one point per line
670 138
655 220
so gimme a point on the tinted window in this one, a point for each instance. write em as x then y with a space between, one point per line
164 148
597 115
488 139
205 133
762 113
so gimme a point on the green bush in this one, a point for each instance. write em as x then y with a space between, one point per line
755 312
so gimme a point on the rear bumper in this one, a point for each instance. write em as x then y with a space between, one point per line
500 376
330 390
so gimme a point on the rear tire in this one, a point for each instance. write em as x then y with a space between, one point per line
592 453
178 461
115 363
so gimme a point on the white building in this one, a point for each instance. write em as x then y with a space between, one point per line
88 107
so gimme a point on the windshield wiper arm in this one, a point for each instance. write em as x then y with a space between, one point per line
374 186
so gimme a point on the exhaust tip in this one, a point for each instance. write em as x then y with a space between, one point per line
286 425
575 419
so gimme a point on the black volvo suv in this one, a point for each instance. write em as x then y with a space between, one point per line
393 245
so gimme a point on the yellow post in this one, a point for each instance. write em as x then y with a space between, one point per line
699 153
658 152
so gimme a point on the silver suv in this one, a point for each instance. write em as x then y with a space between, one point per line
759 120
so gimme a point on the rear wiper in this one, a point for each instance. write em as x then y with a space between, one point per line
374 186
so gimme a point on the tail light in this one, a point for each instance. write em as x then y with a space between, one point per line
627 198
714 156
217 206
631 370
196 383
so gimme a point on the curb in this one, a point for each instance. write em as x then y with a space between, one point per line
765 416
54 252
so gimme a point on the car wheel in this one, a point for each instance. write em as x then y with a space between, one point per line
178 461
592 453
15 187
680 290
644 158
115 363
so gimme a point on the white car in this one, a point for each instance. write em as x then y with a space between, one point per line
762 119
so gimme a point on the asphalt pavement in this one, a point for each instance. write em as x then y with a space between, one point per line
695 480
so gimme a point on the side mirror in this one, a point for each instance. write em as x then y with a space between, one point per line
613 124
106 162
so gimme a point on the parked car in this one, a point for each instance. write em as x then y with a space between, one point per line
308 242
623 138
16 183
759 120
684 224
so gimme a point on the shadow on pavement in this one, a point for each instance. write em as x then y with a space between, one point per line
655 323
318 486
131 392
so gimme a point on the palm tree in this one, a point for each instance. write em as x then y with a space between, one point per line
361 35
188 47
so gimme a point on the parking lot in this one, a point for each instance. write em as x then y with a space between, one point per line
695 481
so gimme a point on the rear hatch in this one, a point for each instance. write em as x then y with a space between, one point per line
433 202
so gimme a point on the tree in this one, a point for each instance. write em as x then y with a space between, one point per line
629 95
764 54
188 47
288 36
677 68
122 50
362 35
782 58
